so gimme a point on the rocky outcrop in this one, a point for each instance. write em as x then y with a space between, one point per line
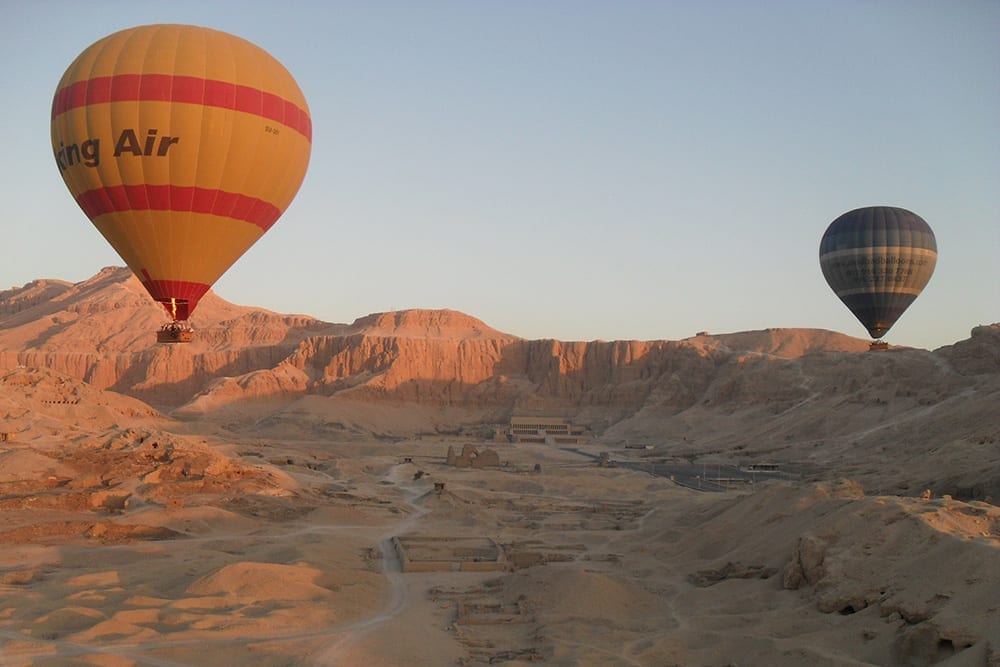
849 553
978 354
35 293
806 565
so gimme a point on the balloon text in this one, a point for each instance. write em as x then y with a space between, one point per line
88 153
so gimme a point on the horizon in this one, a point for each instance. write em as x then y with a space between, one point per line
578 171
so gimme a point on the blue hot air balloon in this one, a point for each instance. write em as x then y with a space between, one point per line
878 259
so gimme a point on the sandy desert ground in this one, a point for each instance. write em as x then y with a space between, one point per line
149 548
327 528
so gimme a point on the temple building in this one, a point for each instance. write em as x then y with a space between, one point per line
553 430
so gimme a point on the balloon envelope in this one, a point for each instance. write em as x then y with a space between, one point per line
183 145
877 260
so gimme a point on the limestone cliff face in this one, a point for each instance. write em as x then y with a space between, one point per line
486 368
102 331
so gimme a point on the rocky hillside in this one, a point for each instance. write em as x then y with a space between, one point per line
102 331
814 396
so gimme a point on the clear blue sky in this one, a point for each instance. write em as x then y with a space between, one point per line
574 169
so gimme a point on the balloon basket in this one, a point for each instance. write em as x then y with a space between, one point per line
174 332
878 345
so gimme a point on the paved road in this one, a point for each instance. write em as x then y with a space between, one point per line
700 477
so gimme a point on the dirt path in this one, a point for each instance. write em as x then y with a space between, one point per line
342 637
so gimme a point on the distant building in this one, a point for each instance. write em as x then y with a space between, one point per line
763 467
553 430
420 553
471 457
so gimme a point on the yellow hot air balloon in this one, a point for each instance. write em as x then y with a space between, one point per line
183 145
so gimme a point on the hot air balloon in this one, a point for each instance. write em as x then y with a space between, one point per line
877 260
183 145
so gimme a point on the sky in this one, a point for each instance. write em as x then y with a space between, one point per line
577 170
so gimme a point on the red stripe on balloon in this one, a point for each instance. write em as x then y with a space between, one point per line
185 294
186 89
101 201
